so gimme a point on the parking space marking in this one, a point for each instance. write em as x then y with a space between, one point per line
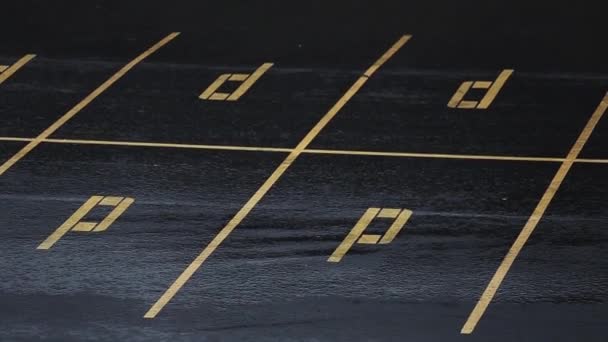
532 222
75 223
259 194
493 87
76 109
400 216
8 70
307 151
70 222
247 80
353 235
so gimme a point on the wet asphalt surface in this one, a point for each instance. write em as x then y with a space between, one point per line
269 280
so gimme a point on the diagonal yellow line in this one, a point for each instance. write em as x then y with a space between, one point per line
532 222
72 112
261 192
9 71
353 235
70 222
591 161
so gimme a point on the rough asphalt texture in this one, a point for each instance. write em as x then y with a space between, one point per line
269 281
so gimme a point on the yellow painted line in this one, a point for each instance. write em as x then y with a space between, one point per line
72 112
396 227
536 216
8 72
84 226
120 208
308 151
482 84
459 94
3 67
70 222
368 239
388 54
591 161
249 81
213 87
433 155
467 104
259 194
494 89
238 77
111 200
219 96
353 235
389 213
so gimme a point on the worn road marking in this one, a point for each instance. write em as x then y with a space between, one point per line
8 70
396 227
247 80
456 100
536 216
70 222
120 207
259 194
400 216
354 234
493 88
308 151
75 223
72 112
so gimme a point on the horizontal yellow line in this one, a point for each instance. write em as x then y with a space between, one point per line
434 155
15 139
169 145
152 144
309 151
591 161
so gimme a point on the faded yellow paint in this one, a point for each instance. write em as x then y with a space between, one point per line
247 80
114 214
487 100
74 223
70 222
493 88
353 235
369 239
7 71
356 233
111 200
396 227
